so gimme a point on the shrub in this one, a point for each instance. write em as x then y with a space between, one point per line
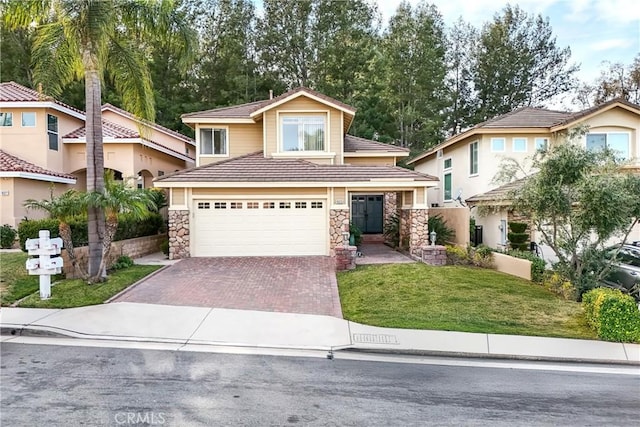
121 263
444 234
517 227
613 315
482 256
518 239
356 233
29 229
457 255
7 236
538 265
392 230
164 247
559 285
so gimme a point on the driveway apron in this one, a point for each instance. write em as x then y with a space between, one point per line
282 284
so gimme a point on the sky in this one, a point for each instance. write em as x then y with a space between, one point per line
594 30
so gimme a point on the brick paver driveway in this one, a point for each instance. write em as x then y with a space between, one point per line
283 284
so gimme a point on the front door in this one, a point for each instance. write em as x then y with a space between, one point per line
366 213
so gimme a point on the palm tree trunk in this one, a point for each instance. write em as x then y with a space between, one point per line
95 163
65 233
110 231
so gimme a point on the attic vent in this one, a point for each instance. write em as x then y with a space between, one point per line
439 153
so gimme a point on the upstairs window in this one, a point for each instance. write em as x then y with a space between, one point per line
52 132
473 158
542 143
213 142
6 119
28 119
498 144
616 142
304 133
519 145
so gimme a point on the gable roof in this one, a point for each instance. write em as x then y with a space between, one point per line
17 93
12 166
529 118
354 144
256 168
498 195
252 109
153 125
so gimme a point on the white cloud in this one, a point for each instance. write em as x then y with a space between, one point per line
604 45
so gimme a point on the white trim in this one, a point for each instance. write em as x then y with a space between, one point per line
42 104
444 168
476 173
513 144
148 124
227 142
383 185
296 95
504 144
37 176
303 155
216 120
162 149
293 113
375 154
444 186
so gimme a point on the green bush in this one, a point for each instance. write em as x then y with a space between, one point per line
128 228
444 234
518 239
7 236
392 230
517 227
356 233
559 285
121 263
482 256
613 315
457 255
538 265
164 247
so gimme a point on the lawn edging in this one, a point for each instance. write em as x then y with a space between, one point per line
133 285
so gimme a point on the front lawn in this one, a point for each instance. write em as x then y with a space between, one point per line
16 284
454 298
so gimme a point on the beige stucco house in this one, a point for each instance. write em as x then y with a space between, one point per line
468 162
282 177
43 149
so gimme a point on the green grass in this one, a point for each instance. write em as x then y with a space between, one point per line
16 284
453 298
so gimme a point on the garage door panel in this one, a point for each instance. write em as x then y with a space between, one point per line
272 227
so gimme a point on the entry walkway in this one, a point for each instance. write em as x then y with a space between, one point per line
379 253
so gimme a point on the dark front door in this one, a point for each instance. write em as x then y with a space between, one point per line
366 213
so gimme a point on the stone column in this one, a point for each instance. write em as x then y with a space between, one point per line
390 206
419 230
179 234
338 222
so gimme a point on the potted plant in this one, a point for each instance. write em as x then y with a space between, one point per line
355 235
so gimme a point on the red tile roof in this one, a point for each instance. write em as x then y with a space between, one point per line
10 163
354 144
245 110
109 130
148 123
256 168
14 92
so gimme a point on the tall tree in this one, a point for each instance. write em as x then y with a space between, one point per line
91 40
616 80
414 48
519 64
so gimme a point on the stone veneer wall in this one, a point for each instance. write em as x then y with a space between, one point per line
338 222
179 234
390 207
405 228
419 230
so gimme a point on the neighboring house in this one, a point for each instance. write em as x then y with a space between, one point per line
43 149
468 162
281 177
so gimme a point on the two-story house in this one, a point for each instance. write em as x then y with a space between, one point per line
468 162
43 149
281 177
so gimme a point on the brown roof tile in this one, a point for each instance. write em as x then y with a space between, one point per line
256 168
14 92
499 194
353 144
172 132
245 110
526 117
109 130
10 163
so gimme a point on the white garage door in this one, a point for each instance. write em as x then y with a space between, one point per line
259 227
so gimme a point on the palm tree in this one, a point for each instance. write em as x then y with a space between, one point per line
64 207
94 39
118 198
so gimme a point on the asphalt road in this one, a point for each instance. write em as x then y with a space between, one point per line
61 385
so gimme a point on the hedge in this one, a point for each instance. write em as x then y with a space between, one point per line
128 228
613 315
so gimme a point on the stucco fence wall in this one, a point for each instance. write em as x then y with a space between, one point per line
458 220
133 248
514 266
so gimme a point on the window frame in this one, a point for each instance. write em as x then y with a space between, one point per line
477 158
301 116
526 144
55 133
5 115
541 138
504 144
213 145
606 141
33 113
444 186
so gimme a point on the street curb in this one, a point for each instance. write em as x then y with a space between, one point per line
22 331
132 286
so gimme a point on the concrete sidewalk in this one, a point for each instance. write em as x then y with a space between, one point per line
197 326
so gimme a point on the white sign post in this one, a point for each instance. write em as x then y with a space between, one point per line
44 265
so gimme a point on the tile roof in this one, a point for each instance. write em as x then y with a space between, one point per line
526 117
245 110
10 163
578 115
499 194
172 132
256 168
14 92
353 144
109 130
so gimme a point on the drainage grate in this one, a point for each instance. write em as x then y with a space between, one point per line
375 339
